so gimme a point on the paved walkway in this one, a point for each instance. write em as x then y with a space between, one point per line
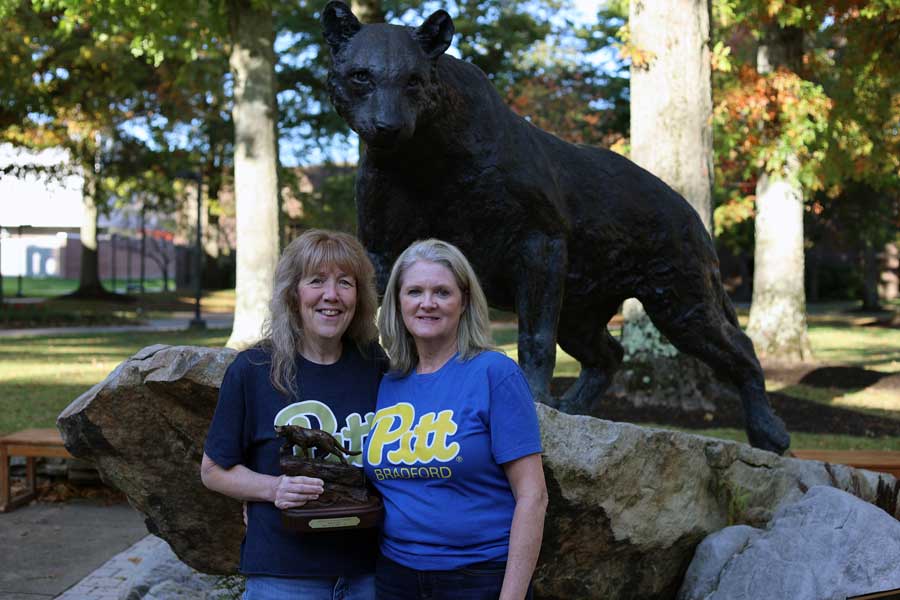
179 322
49 547
63 550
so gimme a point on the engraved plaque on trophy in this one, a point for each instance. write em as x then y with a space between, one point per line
346 502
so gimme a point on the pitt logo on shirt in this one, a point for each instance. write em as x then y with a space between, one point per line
352 433
412 442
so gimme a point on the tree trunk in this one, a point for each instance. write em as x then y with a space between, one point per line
160 256
252 63
889 273
129 255
671 97
671 136
871 272
777 322
89 285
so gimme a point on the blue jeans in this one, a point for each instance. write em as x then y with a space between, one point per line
356 587
481 581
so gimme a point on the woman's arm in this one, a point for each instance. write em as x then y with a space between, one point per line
241 483
526 478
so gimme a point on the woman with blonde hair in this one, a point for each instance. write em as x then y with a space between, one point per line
455 447
319 366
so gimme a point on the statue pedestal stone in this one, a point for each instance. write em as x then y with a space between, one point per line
346 502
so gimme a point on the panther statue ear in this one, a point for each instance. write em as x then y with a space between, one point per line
338 25
435 34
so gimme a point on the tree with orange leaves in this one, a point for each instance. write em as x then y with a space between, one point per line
789 125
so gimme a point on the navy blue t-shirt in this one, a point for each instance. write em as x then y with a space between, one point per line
338 398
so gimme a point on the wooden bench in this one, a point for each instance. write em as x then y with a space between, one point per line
882 461
30 443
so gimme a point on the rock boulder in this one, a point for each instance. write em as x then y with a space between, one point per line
628 504
829 545
144 427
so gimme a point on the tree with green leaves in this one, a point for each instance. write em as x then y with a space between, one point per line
805 113
561 92
856 56
180 32
70 89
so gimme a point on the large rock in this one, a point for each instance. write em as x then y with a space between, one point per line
827 546
628 505
144 427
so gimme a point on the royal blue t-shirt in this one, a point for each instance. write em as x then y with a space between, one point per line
435 453
338 398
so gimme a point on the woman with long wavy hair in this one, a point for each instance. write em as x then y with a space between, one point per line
318 365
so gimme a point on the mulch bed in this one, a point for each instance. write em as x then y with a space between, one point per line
798 414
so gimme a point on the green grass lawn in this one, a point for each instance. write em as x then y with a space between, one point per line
46 287
41 376
872 348
54 311
38 287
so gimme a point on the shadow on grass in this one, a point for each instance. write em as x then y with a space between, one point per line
828 384
798 414
849 379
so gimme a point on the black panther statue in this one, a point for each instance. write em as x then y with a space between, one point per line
560 233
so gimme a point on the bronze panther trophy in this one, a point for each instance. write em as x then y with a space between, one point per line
346 502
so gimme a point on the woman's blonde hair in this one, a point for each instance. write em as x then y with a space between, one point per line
312 252
473 335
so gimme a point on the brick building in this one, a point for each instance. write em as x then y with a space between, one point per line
40 220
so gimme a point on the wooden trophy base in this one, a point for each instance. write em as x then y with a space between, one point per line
333 518
346 502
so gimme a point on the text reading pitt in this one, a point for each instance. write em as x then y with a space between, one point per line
401 447
351 435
